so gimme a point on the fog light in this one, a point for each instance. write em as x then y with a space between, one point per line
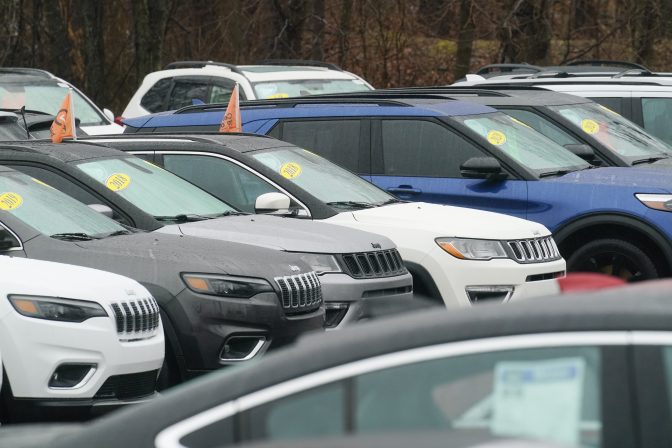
482 294
71 376
242 348
334 312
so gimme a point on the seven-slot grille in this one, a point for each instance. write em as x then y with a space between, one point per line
381 263
300 293
136 319
534 250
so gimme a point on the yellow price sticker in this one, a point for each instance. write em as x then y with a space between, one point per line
497 138
590 126
277 95
10 201
290 170
118 181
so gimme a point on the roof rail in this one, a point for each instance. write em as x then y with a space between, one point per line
26 71
605 63
293 102
299 62
507 68
633 72
200 64
414 92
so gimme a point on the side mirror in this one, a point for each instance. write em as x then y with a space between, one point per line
482 168
7 240
271 202
583 151
102 209
109 114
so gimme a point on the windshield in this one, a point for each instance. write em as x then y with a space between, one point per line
47 97
153 189
10 130
48 210
321 178
612 130
303 87
522 143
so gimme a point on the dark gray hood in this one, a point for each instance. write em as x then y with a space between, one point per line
288 234
160 258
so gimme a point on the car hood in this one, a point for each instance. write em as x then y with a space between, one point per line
288 234
448 221
150 255
647 180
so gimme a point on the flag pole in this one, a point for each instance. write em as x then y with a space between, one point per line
72 109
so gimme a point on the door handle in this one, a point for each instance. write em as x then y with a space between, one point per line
404 189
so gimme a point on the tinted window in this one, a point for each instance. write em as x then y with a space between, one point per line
221 178
551 394
657 113
221 91
423 148
154 98
615 104
337 141
542 125
185 91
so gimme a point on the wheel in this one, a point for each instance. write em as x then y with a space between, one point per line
170 373
613 257
5 394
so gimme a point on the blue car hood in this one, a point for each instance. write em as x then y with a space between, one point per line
648 180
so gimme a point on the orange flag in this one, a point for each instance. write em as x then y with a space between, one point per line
64 123
231 121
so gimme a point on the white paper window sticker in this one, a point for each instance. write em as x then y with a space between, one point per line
539 399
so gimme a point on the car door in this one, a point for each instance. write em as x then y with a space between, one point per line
573 394
419 159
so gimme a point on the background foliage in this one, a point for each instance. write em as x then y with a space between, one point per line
107 47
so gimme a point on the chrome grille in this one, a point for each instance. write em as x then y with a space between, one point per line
136 319
534 250
382 263
300 293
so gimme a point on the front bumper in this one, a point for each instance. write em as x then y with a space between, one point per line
205 324
356 296
453 276
32 350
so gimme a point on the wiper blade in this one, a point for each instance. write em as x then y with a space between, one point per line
649 160
389 201
179 219
73 236
353 204
230 213
116 233
554 173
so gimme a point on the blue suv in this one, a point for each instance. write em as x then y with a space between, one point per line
612 220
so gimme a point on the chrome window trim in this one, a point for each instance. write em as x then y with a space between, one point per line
170 437
220 156
11 232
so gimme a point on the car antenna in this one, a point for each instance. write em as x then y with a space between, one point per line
25 124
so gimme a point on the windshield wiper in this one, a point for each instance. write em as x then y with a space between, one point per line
389 201
555 173
76 236
116 233
180 219
230 213
352 204
649 160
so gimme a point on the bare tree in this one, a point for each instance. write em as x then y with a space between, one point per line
465 39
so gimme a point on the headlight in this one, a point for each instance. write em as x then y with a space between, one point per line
656 201
54 308
226 286
320 263
468 249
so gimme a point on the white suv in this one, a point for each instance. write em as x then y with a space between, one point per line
75 341
187 83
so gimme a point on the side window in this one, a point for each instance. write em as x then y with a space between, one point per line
542 125
615 104
423 148
186 90
66 186
551 394
227 181
154 98
656 113
221 91
337 141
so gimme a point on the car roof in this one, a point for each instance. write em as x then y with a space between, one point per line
67 151
641 307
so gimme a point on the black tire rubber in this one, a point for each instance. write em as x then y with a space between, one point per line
5 393
170 372
613 257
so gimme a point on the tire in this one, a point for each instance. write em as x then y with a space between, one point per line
5 394
613 257
170 373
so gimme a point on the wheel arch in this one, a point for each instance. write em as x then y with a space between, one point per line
428 287
615 225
